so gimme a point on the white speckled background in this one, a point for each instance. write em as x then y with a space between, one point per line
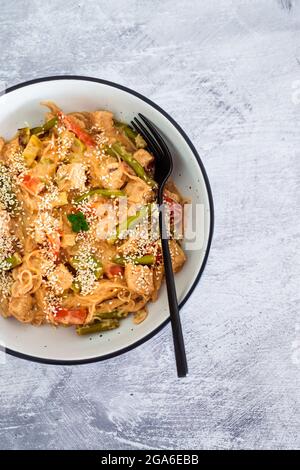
229 72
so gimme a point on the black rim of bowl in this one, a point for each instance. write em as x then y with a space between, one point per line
211 228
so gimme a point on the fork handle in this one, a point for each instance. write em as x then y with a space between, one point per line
180 355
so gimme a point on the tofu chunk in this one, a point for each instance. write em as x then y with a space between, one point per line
177 255
103 120
71 176
61 279
10 149
138 191
158 275
139 279
21 308
143 157
108 174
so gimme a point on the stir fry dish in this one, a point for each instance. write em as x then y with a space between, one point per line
77 204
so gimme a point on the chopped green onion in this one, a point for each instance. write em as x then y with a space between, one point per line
31 150
111 193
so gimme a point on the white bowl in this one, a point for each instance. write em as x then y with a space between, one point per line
21 104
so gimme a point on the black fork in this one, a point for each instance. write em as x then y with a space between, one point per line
163 169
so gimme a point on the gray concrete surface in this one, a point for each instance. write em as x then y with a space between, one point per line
229 73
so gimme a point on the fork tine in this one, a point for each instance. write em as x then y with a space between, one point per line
147 136
140 131
156 134
139 127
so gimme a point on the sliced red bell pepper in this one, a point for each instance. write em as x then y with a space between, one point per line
115 270
54 239
33 183
71 316
175 209
72 126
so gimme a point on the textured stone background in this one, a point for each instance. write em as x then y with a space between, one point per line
229 72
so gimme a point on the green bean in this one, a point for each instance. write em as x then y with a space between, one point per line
45 128
129 132
102 192
129 223
11 262
74 261
110 315
76 287
103 325
144 260
50 124
98 268
95 265
117 149
133 219
37 130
